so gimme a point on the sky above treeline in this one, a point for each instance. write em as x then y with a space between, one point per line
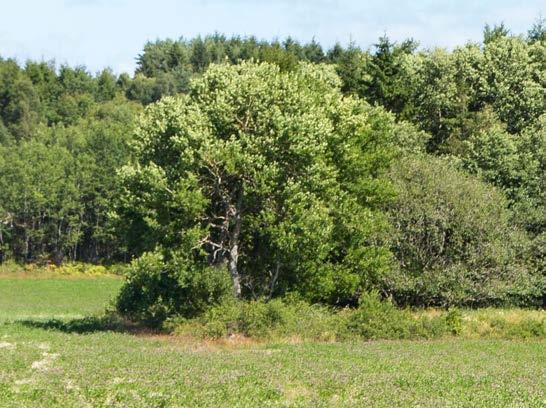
111 33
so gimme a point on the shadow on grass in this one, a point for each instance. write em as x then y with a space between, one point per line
91 324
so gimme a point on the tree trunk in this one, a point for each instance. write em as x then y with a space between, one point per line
274 278
1 247
234 250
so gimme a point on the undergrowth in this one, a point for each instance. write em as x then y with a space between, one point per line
374 319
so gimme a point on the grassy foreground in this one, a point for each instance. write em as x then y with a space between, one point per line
47 365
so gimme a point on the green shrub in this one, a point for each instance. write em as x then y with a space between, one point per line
525 328
256 319
313 322
503 323
453 240
147 294
289 318
376 319
528 328
426 327
253 319
453 320
277 318
156 289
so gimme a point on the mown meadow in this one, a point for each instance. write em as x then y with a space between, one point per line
57 349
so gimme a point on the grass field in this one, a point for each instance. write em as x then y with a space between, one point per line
55 298
45 363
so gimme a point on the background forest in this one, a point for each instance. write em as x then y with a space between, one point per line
266 169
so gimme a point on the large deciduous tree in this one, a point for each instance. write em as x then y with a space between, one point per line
275 176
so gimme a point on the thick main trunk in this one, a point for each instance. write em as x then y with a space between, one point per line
232 266
1 246
234 251
274 278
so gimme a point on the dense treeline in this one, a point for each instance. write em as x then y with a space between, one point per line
63 135
322 173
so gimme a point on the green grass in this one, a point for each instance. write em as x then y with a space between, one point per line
46 363
113 369
55 298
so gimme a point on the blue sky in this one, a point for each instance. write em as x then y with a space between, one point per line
101 33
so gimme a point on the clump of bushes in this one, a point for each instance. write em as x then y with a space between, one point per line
157 288
374 319
165 293
504 323
454 242
290 318
266 320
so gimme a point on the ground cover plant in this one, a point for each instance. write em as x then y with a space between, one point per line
48 360
52 368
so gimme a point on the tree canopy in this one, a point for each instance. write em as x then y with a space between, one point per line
254 170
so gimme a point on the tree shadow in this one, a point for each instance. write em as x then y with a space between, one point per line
88 325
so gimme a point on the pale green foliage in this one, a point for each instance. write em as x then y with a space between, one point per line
299 163
516 75
441 85
447 88
516 164
491 152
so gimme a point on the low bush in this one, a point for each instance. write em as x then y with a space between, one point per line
295 319
504 323
381 319
374 319
261 319
156 288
